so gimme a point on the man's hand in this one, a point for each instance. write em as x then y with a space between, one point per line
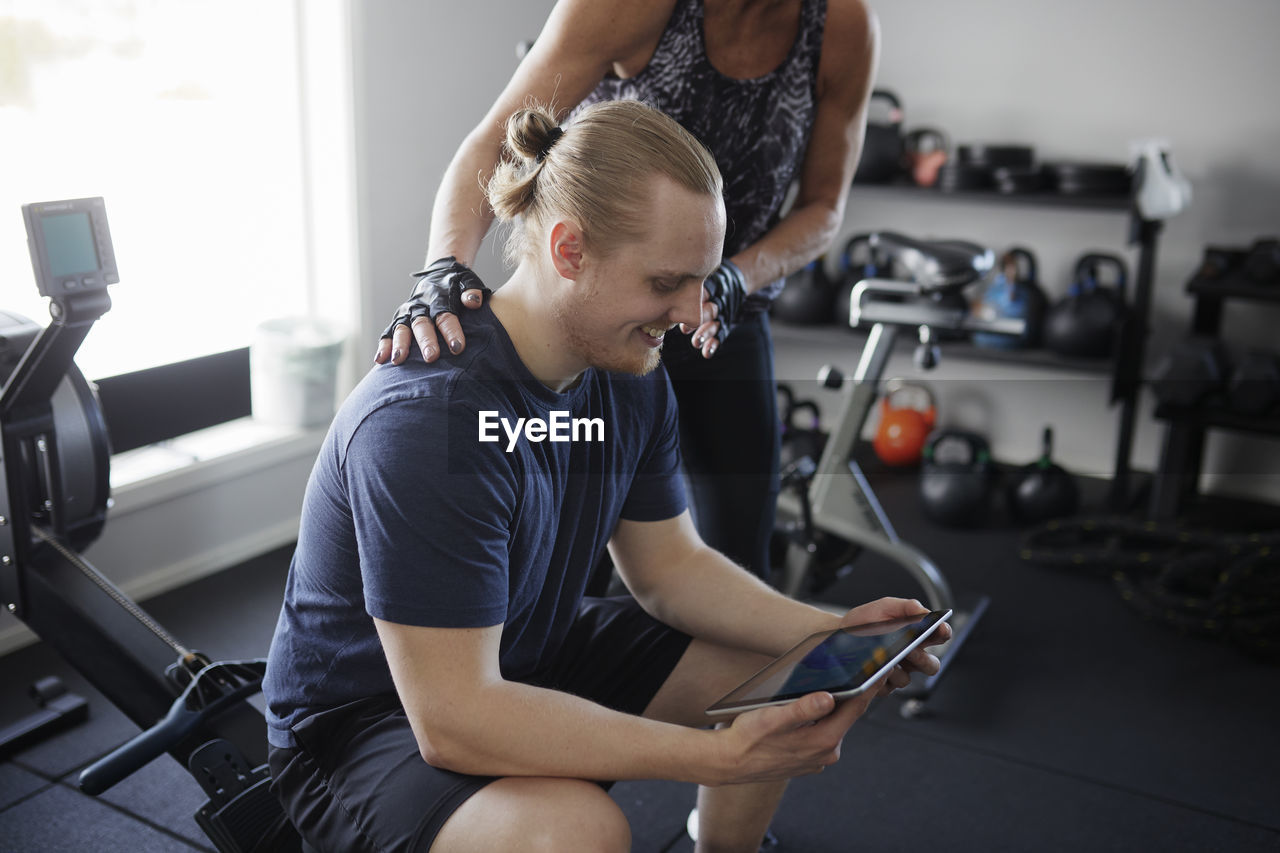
920 659
442 290
797 739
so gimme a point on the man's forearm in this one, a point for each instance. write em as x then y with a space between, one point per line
707 596
513 729
737 608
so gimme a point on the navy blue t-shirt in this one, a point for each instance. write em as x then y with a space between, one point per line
411 517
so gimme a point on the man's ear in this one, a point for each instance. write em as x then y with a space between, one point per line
566 248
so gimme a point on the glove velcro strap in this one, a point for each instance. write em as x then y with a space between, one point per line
727 290
440 286
437 290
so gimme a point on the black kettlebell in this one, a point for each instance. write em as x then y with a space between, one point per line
858 261
957 478
799 439
1086 323
1254 387
883 145
1043 490
809 297
1191 372
1014 294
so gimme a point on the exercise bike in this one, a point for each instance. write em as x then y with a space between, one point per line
53 502
831 496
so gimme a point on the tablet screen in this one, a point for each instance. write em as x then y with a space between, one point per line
838 662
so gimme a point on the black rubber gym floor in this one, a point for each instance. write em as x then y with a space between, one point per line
1067 723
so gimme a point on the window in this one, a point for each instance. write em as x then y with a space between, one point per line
187 118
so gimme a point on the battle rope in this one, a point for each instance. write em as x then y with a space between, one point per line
1220 585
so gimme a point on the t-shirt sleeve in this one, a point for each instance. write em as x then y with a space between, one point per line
657 491
432 528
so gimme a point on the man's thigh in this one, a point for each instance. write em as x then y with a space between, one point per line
534 814
704 674
357 782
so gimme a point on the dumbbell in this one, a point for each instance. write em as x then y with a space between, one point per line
1254 386
1190 371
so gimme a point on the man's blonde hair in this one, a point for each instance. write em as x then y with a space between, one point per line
596 171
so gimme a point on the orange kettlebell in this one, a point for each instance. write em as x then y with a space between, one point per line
904 429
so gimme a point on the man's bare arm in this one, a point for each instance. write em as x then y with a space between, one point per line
467 718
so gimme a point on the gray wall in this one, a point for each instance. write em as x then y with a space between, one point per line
1080 81
1077 80
425 73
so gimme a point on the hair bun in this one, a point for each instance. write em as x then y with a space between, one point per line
556 133
531 132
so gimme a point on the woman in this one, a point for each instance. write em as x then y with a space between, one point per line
777 89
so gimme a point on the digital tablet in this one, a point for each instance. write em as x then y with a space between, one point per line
843 662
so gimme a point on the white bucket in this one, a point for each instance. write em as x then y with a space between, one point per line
293 371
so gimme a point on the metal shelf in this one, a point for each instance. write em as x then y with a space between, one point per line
832 336
1113 203
1204 417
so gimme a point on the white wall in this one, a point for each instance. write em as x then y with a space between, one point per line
425 74
1077 80
1081 80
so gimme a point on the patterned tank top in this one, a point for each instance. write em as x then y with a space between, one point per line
758 129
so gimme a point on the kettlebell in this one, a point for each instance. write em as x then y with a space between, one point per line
1254 387
809 297
799 439
858 261
957 478
882 146
1086 323
1013 294
1043 490
1192 372
926 153
904 429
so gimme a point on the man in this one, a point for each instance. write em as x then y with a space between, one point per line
438 680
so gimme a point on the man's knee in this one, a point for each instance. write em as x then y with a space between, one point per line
538 816
586 819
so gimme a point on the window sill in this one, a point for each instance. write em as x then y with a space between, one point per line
195 505
207 457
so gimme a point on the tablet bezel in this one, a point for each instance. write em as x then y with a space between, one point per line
725 706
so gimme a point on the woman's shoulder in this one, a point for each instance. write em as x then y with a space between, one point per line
850 44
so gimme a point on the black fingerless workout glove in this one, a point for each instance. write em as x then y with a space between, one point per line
727 290
439 289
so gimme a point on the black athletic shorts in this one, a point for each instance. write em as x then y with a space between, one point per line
356 781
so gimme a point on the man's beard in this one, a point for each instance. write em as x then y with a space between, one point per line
602 356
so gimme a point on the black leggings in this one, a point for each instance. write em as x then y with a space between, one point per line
730 439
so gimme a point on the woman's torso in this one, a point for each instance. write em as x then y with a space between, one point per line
757 128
